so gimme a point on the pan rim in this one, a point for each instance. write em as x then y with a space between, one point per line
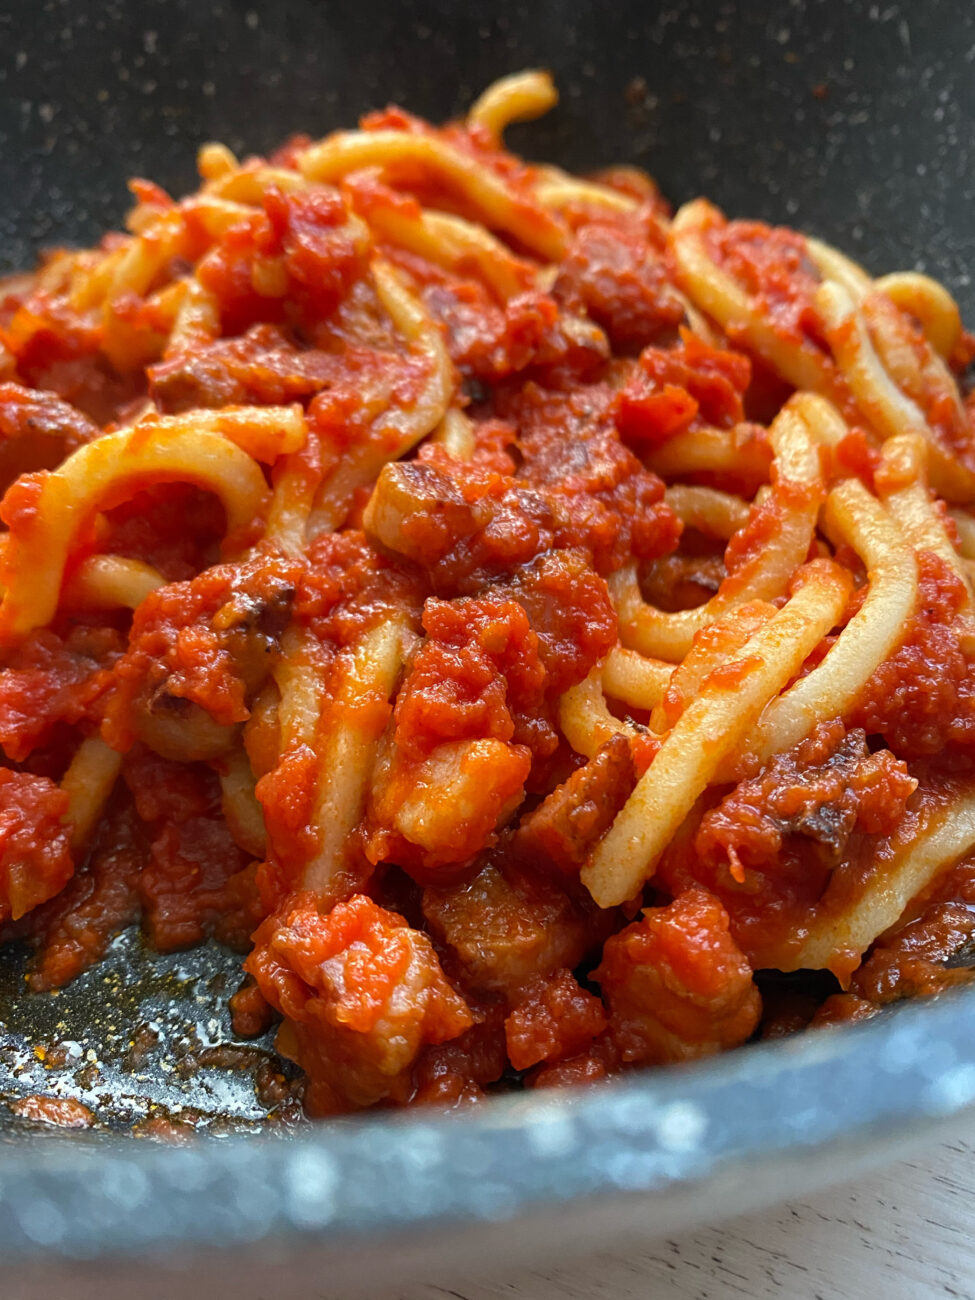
650 1134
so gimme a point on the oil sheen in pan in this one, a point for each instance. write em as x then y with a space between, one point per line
140 1043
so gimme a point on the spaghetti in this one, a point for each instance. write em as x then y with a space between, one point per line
528 623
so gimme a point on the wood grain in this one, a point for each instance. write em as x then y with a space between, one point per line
907 1233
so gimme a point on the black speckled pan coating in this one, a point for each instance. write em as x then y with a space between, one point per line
854 121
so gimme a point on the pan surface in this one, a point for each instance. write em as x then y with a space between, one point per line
855 122
852 120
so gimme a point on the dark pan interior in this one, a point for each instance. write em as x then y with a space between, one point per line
854 121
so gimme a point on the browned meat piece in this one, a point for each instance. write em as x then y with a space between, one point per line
198 652
677 985
261 366
823 790
37 430
575 816
507 928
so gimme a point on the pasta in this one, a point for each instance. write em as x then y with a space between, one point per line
533 626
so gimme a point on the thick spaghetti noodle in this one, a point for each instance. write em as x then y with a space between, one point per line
528 623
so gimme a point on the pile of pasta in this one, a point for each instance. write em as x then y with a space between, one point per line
534 626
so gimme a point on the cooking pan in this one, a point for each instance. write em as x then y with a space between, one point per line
855 122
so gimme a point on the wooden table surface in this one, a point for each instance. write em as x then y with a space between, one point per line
905 1233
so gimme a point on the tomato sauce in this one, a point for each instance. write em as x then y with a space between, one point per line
772 263
923 697
676 985
770 849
